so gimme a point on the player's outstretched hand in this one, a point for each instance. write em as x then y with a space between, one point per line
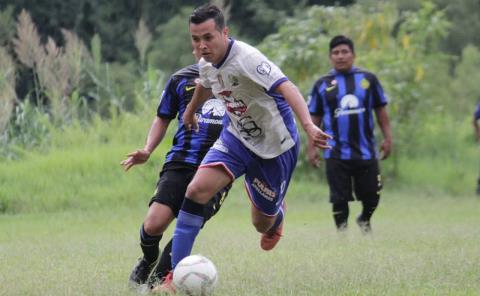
318 137
136 157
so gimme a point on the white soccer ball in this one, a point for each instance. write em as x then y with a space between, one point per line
195 275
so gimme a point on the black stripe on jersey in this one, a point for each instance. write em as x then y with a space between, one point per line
331 93
368 131
353 128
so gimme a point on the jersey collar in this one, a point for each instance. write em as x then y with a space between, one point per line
335 72
230 44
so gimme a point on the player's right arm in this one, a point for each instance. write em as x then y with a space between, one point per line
312 150
155 136
200 95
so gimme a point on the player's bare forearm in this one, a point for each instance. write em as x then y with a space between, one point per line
156 133
200 95
384 123
295 99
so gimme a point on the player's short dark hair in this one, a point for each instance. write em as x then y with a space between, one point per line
208 11
341 39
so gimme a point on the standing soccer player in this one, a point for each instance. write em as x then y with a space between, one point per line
260 142
180 165
344 99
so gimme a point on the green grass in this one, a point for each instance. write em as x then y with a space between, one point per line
70 217
421 246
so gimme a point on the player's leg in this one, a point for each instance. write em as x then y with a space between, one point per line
206 182
165 262
340 183
367 186
163 208
340 215
266 181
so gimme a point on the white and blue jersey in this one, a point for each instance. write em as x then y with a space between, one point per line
261 140
245 81
189 146
345 101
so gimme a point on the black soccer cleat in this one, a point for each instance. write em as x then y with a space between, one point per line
365 226
140 272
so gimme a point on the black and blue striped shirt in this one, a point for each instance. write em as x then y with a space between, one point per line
345 101
189 146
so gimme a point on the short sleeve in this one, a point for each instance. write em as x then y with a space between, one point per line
169 101
262 71
315 106
379 98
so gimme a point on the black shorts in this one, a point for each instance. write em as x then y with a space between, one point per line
361 176
172 185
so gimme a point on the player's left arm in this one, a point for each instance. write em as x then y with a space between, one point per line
295 99
384 123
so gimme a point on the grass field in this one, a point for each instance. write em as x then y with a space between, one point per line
422 245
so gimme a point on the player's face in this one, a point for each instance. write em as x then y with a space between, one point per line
342 58
210 43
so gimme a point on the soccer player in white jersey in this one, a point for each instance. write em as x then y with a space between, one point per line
260 141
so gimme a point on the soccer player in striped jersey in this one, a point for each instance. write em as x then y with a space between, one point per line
181 163
260 142
344 100
476 117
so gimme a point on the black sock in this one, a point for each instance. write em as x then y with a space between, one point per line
165 262
149 245
340 214
368 209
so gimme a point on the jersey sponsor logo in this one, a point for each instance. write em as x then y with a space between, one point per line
189 88
264 68
201 119
349 104
213 107
218 145
263 189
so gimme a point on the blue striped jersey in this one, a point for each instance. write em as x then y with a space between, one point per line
345 101
190 146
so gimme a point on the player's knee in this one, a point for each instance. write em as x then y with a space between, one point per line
197 192
152 226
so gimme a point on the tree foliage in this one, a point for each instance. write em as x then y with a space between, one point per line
402 49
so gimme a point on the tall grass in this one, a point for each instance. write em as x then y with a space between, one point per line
7 88
80 168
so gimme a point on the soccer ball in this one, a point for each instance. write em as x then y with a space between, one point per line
195 275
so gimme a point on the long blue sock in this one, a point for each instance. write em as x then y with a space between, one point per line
189 222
